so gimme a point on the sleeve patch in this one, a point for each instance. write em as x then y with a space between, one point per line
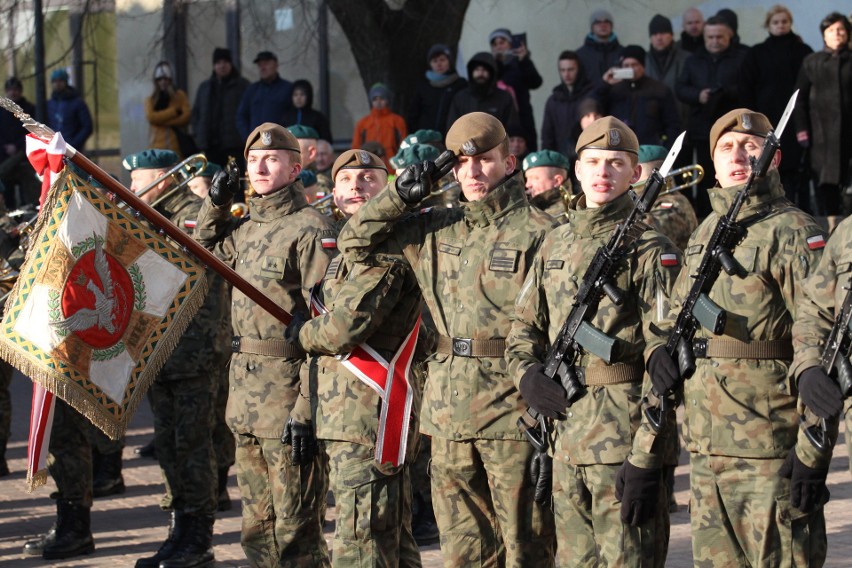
669 259
328 242
665 205
189 223
816 242
554 264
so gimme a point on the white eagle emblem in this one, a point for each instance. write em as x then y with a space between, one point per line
266 138
614 137
364 157
102 314
747 121
469 148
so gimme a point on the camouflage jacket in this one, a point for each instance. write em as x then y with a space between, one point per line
470 263
196 353
552 203
374 301
823 295
747 407
605 423
279 250
673 216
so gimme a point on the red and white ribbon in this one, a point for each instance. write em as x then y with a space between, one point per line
46 159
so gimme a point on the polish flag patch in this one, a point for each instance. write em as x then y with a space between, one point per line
189 224
669 259
328 242
816 242
666 205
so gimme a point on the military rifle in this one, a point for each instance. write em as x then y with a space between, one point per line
835 363
577 333
698 309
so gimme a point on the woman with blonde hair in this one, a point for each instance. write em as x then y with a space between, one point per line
167 111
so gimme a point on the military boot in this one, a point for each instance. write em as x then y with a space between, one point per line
196 547
149 450
177 526
73 532
223 499
36 546
107 476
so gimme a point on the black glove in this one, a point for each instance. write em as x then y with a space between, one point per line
541 475
543 394
414 184
807 485
301 437
291 333
224 185
638 490
820 393
663 370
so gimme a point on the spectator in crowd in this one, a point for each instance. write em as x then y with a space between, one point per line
382 125
482 93
167 111
434 93
560 110
267 99
516 69
733 21
646 105
302 111
214 115
325 157
767 79
665 60
67 112
601 49
517 142
15 170
692 36
708 85
824 113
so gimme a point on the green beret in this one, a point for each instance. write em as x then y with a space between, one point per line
652 153
546 158
357 160
739 120
210 170
414 154
608 133
422 136
152 159
475 133
271 136
301 131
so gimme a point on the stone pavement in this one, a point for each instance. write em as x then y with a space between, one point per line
131 525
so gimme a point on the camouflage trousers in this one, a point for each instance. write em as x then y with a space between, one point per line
484 506
69 459
5 405
281 501
589 531
421 483
224 444
847 413
373 509
741 516
183 424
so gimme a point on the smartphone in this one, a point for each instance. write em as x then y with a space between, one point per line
518 40
622 73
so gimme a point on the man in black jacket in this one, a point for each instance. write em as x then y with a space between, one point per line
482 93
600 50
559 127
434 93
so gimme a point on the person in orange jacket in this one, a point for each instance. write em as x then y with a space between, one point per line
382 125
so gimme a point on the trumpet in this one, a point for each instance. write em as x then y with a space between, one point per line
326 206
691 174
182 174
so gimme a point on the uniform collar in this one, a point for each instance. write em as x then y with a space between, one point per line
286 200
547 198
764 191
508 195
601 220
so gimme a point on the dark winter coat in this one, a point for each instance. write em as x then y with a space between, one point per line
560 115
690 44
596 57
490 99
68 113
12 130
768 78
522 76
431 103
263 102
824 109
307 115
719 73
214 115
647 106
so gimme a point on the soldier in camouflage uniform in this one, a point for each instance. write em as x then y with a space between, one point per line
183 394
307 138
376 303
548 184
740 418
470 263
283 249
600 442
672 214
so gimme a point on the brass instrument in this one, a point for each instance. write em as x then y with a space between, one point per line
182 174
239 210
691 174
326 206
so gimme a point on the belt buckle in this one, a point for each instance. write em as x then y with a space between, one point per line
462 347
235 344
699 348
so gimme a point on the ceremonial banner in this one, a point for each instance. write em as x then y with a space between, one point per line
100 303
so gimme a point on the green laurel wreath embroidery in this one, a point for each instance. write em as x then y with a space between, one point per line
140 297
54 311
85 246
107 354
